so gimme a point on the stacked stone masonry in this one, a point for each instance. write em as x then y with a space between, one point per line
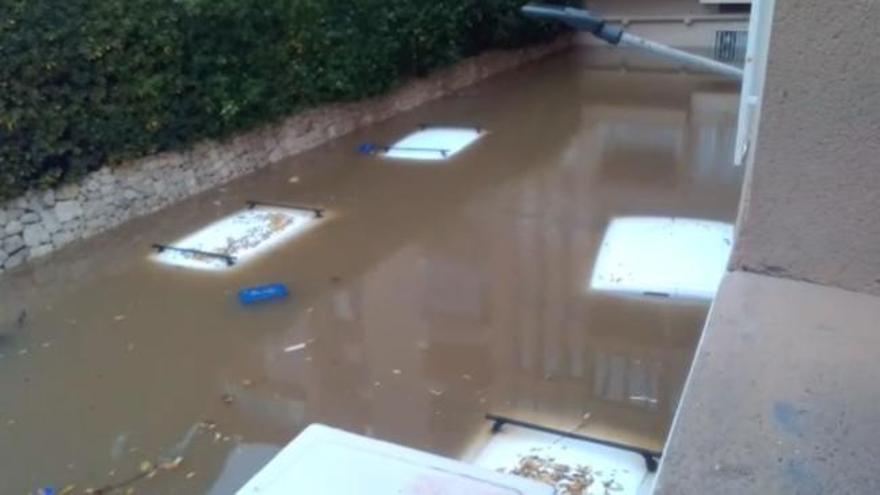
41 222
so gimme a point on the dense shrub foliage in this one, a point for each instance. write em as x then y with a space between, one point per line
89 82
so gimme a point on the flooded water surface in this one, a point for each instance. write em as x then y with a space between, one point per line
429 294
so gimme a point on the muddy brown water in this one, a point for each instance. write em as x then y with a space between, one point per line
431 295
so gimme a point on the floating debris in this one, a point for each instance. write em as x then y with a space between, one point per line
293 180
22 318
262 293
567 480
438 393
172 464
247 383
294 348
466 377
377 384
46 345
190 475
67 490
227 399
644 399
119 318
22 352
397 371
207 424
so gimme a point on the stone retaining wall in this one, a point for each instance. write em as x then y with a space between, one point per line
40 222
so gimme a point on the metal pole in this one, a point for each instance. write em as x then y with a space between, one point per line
584 20
681 56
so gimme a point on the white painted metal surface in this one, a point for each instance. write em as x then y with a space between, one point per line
433 143
674 257
327 461
244 235
614 471
760 27
681 56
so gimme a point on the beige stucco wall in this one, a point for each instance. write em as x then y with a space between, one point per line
813 210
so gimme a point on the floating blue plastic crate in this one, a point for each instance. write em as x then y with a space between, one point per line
263 293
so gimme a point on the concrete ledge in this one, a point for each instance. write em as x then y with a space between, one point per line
783 396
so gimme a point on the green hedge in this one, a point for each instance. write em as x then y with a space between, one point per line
84 83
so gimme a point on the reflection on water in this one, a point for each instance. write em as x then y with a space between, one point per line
430 295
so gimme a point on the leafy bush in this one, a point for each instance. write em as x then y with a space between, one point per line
84 83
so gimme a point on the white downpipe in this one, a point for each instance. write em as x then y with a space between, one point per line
760 26
681 56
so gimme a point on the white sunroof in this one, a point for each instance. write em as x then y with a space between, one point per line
237 238
663 256
433 143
